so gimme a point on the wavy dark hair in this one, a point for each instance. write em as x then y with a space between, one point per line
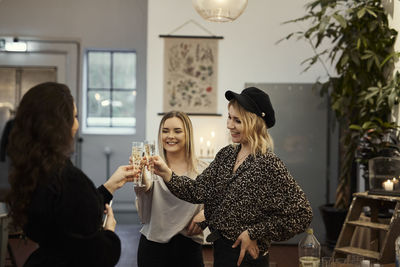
39 144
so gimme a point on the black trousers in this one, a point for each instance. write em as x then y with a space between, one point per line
226 256
180 251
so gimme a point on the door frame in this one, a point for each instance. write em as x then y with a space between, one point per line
63 54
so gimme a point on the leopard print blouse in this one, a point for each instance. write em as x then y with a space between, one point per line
261 197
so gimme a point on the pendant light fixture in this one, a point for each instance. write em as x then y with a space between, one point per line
220 10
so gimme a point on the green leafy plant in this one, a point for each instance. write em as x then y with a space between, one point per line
355 38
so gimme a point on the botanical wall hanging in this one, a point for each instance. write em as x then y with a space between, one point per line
190 73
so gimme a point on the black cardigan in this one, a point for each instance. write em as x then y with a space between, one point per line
65 219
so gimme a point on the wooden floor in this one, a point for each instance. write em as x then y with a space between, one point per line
282 255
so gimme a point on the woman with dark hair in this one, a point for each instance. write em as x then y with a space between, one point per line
250 199
53 202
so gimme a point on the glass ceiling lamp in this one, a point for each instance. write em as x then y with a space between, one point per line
220 10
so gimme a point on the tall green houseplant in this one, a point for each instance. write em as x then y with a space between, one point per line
354 37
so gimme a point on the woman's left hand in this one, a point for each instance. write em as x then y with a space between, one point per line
124 174
193 228
110 222
246 244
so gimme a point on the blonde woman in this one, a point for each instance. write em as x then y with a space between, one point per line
170 234
250 199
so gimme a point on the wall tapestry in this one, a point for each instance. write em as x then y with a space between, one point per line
190 74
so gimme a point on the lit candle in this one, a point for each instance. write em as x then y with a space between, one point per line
395 183
388 185
201 146
212 138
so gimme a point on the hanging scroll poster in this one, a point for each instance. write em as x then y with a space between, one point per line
190 74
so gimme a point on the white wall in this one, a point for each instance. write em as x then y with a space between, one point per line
247 54
393 9
99 24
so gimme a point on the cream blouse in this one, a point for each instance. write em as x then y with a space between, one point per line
162 214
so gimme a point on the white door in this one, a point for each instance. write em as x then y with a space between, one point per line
21 71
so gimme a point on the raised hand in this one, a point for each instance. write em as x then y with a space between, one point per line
161 168
122 175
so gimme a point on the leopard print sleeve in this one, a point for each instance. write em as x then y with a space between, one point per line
196 190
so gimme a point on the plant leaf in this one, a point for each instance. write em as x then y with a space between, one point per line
366 124
361 13
355 127
323 24
372 13
340 19
393 55
368 96
366 56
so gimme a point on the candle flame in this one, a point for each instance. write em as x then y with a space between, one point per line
388 185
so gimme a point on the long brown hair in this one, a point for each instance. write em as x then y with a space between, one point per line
40 143
189 144
254 129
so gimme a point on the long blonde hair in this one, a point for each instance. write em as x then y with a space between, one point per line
190 154
254 130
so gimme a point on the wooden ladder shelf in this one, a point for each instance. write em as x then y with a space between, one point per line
387 232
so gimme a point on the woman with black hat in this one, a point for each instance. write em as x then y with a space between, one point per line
250 199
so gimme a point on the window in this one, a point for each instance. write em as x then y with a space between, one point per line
110 92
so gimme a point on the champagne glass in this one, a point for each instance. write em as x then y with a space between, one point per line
137 153
149 151
326 261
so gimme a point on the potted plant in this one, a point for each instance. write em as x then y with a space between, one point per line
355 38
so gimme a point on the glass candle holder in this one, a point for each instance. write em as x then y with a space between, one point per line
384 175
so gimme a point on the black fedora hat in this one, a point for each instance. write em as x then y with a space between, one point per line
255 101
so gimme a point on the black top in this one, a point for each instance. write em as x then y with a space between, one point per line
261 197
65 219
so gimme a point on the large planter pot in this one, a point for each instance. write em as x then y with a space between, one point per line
333 220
